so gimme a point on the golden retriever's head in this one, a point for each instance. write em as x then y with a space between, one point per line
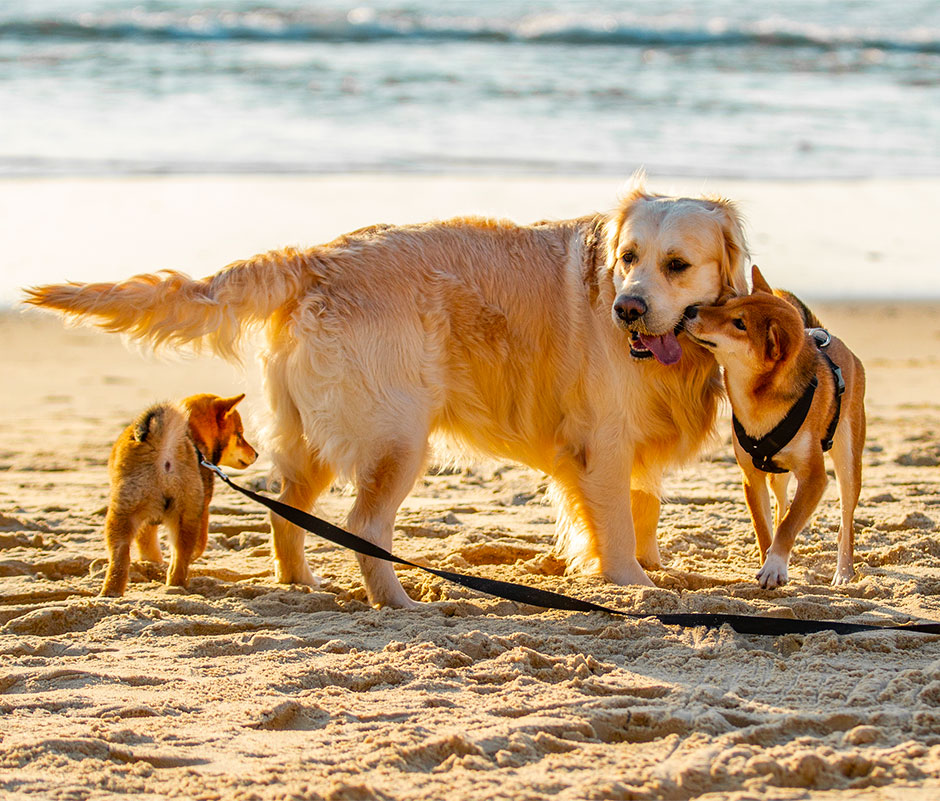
665 255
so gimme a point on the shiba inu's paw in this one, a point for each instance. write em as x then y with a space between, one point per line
842 576
773 573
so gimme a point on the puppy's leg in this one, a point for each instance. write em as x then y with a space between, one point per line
847 461
300 490
118 534
202 535
148 544
779 483
184 538
382 486
810 485
645 508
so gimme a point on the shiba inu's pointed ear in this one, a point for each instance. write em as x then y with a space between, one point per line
758 282
225 405
777 342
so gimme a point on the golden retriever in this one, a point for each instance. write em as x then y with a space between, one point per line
557 344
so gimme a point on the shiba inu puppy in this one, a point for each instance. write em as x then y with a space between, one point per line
796 391
156 478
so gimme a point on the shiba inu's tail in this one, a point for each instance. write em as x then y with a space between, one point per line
810 320
171 309
163 427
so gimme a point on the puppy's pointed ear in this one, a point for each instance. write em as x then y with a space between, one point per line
758 282
777 342
225 405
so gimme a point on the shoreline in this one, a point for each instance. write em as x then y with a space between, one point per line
822 239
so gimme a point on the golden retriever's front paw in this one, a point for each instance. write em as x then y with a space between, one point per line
773 573
627 575
296 574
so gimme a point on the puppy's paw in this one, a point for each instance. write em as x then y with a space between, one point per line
773 573
842 576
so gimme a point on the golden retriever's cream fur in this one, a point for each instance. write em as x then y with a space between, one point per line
504 338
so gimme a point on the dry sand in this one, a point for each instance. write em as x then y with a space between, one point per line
243 689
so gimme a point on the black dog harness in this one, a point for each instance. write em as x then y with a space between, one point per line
763 450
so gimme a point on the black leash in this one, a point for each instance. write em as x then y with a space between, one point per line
744 624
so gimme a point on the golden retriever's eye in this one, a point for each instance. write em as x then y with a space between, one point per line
629 257
677 265
738 323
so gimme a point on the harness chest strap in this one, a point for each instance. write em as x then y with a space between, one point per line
763 449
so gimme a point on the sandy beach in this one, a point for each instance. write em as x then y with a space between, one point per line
243 689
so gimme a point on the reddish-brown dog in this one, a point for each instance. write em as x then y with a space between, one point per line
770 360
156 478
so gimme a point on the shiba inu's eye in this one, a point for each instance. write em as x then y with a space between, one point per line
738 323
677 265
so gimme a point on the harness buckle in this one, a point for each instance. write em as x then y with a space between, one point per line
840 381
821 335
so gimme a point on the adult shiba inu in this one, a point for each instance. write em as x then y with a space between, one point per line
156 478
557 344
796 391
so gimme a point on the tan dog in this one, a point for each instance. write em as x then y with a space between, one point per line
770 361
513 341
156 478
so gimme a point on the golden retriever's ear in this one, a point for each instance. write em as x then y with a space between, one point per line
635 191
758 282
777 342
734 245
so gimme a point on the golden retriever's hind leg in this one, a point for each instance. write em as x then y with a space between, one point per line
381 488
645 507
290 563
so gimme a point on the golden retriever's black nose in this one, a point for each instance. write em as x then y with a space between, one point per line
629 308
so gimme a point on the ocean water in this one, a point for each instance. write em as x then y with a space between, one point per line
780 88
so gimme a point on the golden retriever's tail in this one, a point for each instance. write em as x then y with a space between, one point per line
170 309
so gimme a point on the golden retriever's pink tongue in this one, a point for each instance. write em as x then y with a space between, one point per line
665 348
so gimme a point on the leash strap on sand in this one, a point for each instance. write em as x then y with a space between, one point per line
744 624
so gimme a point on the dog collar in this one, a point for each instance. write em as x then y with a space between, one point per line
763 449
